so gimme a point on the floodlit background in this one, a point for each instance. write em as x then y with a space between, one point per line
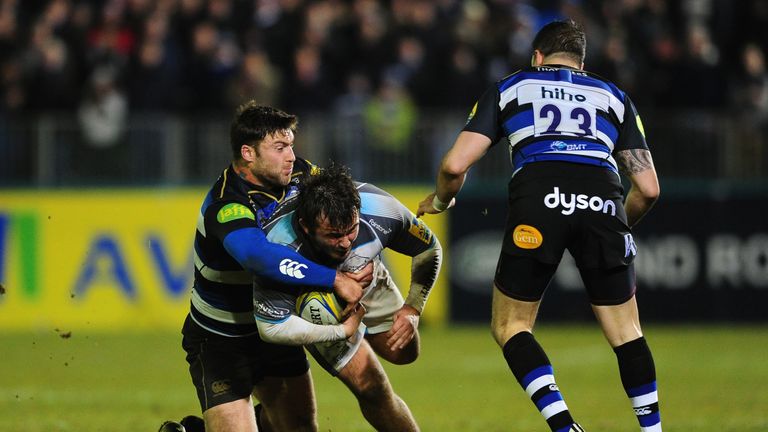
114 118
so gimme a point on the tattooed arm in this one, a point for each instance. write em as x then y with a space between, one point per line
637 165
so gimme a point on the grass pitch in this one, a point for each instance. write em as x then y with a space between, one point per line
711 378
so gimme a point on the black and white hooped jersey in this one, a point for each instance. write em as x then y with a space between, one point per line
557 113
384 223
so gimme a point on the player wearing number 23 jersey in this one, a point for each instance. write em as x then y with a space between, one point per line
575 121
570 133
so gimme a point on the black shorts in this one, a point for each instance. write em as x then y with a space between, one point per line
225 369
555 206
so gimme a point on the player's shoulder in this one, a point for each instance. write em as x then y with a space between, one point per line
374 198
225 192
303 167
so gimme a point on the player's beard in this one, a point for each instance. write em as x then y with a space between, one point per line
274 181
327 255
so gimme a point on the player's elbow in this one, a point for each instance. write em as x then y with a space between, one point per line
270 332
650 193
453 167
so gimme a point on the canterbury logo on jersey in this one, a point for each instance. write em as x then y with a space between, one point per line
571 202
292 268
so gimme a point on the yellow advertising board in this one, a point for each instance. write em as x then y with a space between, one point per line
116 259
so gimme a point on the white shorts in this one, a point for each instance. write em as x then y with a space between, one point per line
381 299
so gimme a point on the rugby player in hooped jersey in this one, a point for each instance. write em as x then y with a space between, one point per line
228 362
570 134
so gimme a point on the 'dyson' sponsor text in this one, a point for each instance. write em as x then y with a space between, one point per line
571 202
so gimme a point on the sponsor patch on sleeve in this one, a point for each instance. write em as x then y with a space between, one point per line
640 125
420 231
527 237
472 113
234 211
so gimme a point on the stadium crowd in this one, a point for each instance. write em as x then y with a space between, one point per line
306 55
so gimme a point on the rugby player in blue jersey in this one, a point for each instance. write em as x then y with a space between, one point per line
347 225
228 362
570 133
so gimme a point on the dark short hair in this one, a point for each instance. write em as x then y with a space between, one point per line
565 37
330 193
253 122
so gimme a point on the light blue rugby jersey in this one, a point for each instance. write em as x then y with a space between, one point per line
557 113
384 223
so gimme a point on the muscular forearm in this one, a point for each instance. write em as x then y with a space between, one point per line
636 206
424 270
449 184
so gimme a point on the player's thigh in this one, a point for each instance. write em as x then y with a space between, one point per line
510 316
408 354
289 402
364 375
234 416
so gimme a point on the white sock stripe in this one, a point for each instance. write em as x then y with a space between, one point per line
538 383
554 408
654 428
644 400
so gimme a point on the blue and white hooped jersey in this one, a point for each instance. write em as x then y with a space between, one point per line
556 113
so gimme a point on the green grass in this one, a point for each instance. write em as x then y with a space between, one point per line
711 378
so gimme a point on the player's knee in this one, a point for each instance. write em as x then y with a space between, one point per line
502 333
372 389
404 356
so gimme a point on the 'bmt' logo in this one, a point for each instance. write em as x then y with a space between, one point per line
580 201
292 268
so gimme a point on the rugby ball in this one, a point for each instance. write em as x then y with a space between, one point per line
318 307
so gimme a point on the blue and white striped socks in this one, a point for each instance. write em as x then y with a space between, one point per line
638 375
531 367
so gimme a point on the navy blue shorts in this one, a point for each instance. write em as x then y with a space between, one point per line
554 206
225 369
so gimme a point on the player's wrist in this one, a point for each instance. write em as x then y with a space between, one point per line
439 205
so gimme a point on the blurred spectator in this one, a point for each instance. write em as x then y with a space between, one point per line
102 117
750 99
750 85
257 80
52 84
699 79
111 41
390 121
155 69
307 89
214 62
104 111
463 79
375 47
349 142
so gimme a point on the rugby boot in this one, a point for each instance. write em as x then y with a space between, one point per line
171 426
193 424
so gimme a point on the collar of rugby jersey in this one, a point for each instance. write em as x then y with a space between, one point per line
252 191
